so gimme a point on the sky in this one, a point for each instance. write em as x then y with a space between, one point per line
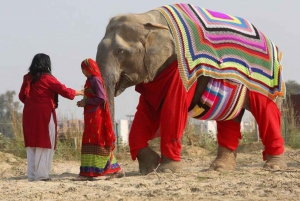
70 30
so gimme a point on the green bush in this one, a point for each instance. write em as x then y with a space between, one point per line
193 137
292 138
248 137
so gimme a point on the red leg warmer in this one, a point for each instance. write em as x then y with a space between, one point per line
170 118
228 134
144 126
174 115
267 116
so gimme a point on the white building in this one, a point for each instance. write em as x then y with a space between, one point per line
210 126
201 126
205 126
123 130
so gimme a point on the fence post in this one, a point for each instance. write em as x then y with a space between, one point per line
285 132
117 133
75 143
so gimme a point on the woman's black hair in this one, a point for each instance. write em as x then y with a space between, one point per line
40 64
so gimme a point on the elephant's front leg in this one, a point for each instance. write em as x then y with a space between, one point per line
169 165
143 129
173 119
170 150
148 160
165 109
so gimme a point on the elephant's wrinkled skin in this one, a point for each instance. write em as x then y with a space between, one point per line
135 49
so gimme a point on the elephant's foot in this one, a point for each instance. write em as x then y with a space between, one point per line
225 160
169 166
275 162
148 160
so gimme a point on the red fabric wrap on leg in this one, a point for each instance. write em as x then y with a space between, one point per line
144 127
267 116
162 111
229 133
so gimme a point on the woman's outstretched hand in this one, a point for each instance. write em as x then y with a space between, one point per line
80 93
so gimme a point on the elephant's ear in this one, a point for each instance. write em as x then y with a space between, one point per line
159 47
160 26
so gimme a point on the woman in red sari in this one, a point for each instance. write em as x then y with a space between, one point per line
98 138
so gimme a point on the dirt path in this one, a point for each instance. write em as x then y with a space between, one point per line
248 182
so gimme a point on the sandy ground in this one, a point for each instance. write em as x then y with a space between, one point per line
248 182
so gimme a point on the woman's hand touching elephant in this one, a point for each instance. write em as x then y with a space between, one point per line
79 93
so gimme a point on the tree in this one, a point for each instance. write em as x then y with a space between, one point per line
292 87
9 113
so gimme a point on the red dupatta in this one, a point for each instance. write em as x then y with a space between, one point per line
92 67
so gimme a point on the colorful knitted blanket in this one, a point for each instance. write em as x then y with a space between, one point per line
222 99
223 47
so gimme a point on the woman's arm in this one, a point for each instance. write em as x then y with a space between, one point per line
61 89
98 89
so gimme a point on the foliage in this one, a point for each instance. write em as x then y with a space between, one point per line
290 126
290 129
9 109
292 87
67 150
11 138
4 143
12 146
248 137
193 137
292 138
207 142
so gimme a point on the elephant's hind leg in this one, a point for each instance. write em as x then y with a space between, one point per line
148 160
268 118
225 160
228 140
275 162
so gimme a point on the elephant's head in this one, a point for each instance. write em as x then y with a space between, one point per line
134 49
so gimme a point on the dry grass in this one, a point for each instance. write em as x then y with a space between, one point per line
69 149
290 125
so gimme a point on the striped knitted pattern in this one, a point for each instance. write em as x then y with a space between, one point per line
224 47
221 100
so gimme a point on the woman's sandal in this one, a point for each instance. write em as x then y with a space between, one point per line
118 174
82 178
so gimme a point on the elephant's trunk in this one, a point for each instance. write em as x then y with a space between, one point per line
110 92
109 73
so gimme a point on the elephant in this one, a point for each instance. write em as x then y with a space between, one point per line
141 50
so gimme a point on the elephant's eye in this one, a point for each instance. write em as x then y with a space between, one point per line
119 50
120 54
